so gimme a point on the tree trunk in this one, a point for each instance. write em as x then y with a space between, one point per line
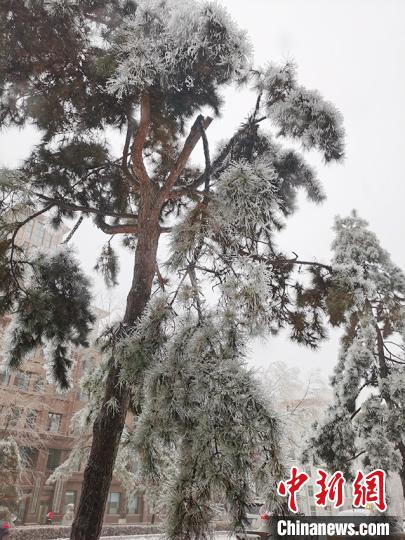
109 424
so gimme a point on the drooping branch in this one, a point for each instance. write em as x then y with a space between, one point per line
394 361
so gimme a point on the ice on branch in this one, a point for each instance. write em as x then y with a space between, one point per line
247 197
178 46
302 114
204 404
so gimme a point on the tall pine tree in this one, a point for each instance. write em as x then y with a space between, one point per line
367 296
148 69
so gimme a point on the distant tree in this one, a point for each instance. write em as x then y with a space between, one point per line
366 297
18 417
76 70
299 401
10 471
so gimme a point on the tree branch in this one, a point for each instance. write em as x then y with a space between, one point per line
219 160
131 179
139 142
207 171
85 209
355 413
185 192
124 228
281 261
14 235
72 232
189 145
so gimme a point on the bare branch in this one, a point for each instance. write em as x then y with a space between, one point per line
355 413
123 228
72 232
131 179
189 145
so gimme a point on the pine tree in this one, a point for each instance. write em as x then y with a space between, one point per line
79 69
367 297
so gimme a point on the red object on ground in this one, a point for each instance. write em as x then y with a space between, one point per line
6 525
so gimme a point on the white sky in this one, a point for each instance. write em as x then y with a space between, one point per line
352 52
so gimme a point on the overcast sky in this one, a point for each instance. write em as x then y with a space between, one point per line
352 52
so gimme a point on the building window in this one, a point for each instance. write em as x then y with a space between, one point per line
31 419
54 422
14 416
133 504
29 456
5 376
70 498
39 385
54 456
113 503
22 380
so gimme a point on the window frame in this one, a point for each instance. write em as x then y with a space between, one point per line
21 376
110 502
51 417
31 418
53 452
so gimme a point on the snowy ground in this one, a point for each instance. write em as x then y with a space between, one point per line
218 536
155 537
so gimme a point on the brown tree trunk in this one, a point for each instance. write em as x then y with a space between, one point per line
109 424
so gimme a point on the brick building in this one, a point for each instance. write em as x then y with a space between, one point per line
38 417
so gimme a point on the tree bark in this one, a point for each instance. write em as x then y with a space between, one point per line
109 424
